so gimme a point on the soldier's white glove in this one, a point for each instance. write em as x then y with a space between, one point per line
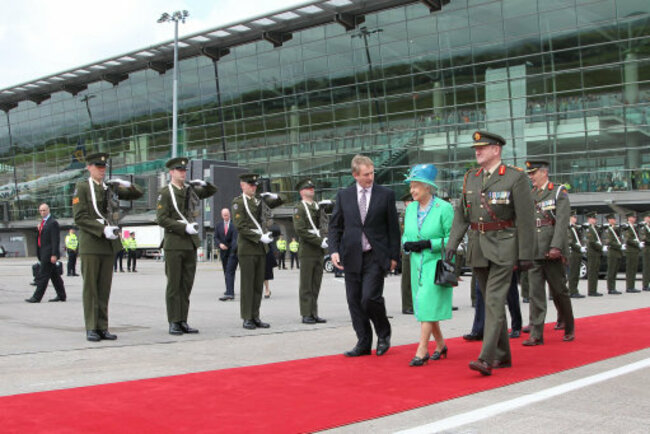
324 245
121 182
605 249
641 244
325 202
267 238
583 249
109 232
190 228
314 232
257 231
623 247
269 195
198 182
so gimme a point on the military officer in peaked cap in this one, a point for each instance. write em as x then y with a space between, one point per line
576 249
614 247
594 252
497 207
644 235
252 242
306 222
632 249
98 240
178 204
552 209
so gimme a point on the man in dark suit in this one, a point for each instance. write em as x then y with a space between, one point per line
364 240
225 237
47 250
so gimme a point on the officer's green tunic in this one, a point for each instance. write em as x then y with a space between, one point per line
574 235
251 252
493 254
644 235
180 248
552 209
632 250
95 250
594 253
311 256
612 240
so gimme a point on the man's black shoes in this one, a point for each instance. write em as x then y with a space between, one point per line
186 328
93 336
249 325
259 324
382 346
227 298
57 298
32 300
308 320
175 329
356 352
106 335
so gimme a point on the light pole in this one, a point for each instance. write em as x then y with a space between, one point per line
175 17
363 33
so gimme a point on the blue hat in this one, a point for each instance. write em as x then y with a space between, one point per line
423 173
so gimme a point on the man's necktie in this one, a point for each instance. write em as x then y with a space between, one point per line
363 210
225 228
40 229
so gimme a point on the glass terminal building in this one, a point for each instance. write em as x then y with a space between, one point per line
299 92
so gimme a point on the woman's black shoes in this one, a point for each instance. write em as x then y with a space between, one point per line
419 361
437 355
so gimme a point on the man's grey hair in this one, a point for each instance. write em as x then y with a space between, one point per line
360 160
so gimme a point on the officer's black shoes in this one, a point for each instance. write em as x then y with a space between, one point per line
383 345
577 295
106 335
32 300
186 328
407 311
533 342
93 336
259 324
558 326
320 320
526 329
308 320
57 298
595 294
614 292
175 329
525 300
514 334
632 290
481 366
227 298
356 352
568 337
249 325
473 337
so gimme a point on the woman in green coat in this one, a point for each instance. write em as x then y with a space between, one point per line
427 224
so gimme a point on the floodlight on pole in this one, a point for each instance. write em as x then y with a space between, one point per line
164 18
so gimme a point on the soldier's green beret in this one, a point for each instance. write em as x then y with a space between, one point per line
645 214
533 165
406 197
250 178
305 183
610 216
483 138
98 159
178 163
592 214
630 214
574 212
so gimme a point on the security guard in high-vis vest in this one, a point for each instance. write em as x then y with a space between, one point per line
497 207
405 286
293 251
552 209
576 250
178 204
281 245
632 250
252 242
594 252
72 247
311 251
614 247
131 250
98 241
644 235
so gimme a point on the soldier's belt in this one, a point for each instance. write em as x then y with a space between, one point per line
544 222
491 226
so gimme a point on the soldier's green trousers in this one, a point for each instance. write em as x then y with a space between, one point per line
311 276
97 273
180 268
646 268
575 261
613 264
525 284
251 285
631 267
552 272
494 282
593 267
407 295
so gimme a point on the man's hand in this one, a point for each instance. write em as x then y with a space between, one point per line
324 245
191 229
121 182
198 183
583 250
267 238
525 265
554 254
325 202
449 255
605 249
336 260
269 195
110 232
53 259
641 244
393 265
222 246
623 247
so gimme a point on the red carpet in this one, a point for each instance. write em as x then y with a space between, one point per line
311 394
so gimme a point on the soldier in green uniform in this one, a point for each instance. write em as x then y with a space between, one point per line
614 248
306 222
525 287
252 242
594 252
98 240
576 249
644 235
552 209
178 204
632 250
497 207
407 295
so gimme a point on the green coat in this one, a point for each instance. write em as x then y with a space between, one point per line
175 237
310 243
613 241
508 193
594 242
575 239
430 301
91 234
631 238
248 240
552 203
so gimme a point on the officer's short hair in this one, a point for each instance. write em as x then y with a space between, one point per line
360 160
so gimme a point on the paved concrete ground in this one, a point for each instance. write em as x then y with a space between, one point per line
43 346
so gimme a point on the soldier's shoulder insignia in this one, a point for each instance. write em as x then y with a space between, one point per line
159 197
75 200
519 169
502 170
237 216
160 206
235 206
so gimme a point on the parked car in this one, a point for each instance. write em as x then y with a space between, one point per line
602 273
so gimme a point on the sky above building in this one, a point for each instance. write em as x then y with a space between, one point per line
44 37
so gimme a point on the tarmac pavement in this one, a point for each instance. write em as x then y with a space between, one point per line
43 346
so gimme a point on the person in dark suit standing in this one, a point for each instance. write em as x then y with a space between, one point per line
364 241
47 250
225 237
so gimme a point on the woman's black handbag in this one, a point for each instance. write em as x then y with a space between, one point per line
445 271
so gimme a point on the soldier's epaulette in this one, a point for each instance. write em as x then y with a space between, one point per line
551 186
514 167
465 180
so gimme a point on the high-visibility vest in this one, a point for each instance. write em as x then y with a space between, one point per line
293 246
282 245
71 242
131 244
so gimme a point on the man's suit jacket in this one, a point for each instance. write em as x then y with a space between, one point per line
229 239
381 228
50 238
